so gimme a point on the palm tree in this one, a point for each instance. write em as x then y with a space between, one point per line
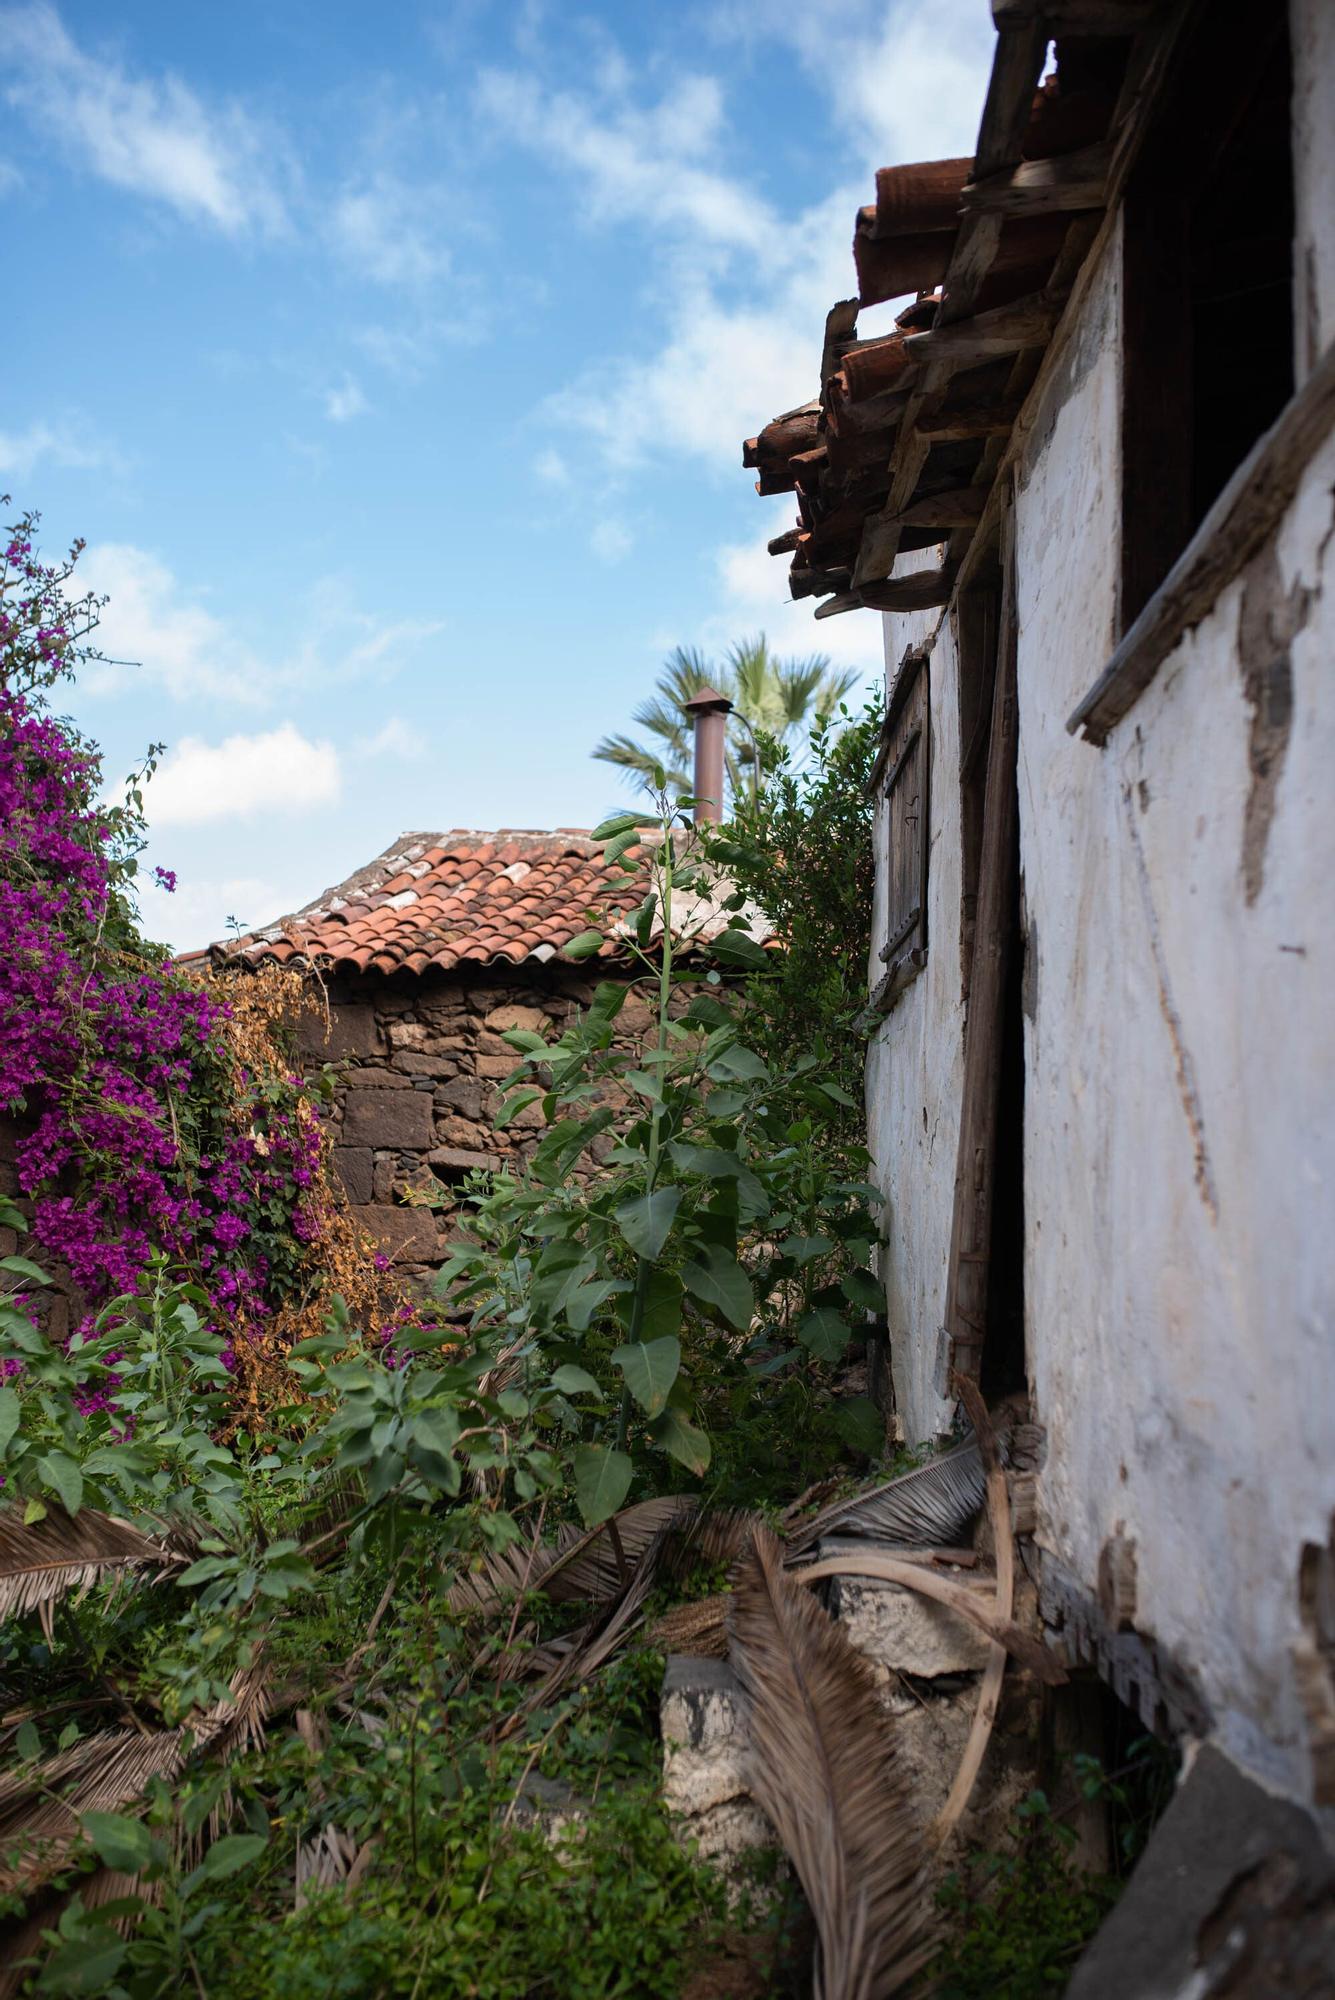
782 698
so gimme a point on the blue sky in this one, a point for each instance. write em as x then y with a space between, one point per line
395 363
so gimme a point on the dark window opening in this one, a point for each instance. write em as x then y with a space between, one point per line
1208 292
906 762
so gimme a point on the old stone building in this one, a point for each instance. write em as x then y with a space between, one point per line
427 956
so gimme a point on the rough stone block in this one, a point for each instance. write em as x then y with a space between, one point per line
387 1118
452 1130
899 1630
408 1035
532 1018
414 1064
377 1076
458 1159
496 1067
354 1167
702 1714
352 1031
406 1235
462 1094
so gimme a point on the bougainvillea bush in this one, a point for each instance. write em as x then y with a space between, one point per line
153 1117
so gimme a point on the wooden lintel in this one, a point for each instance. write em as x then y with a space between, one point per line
922 590
988 335
1044 187
957 509
1077 17
1245 515
967 420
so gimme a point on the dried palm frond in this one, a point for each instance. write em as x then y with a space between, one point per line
502 1573
236 1724
699 1627
593 1564
40 1806
42 1561
994 1674
927 1506
326 1858
576 1655
822 1764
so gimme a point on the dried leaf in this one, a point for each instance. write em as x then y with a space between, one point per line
699 1627
822 1764
323 1860
41 1562
919 1509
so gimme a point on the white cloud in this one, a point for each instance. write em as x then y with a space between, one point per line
377 226
345 401
277 772
155 629
202 910
744 290
151 136
753 587
611 540
65 444
395 739
551 469
635 165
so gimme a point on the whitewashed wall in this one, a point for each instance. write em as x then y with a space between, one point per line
915 1062
1180 1073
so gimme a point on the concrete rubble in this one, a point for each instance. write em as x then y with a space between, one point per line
927 1663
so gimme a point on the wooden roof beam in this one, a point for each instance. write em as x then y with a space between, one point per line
1077 17
1071 181
989 336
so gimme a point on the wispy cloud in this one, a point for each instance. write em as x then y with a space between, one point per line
151 135
746 288
634 164
611 540
551 469
382 227
345 401
203 908
396 740
276 773
70 443
157 630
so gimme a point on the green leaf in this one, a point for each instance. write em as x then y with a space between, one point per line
584 1302
717 1278
524 1039
23 1267
583 946
646 1221
602 1481
437 1430
226 1856
681 1440
512 1106
861 1288
35 1510
9 1417
741 1063
803 1248
622 822
650 1368
824 1334
860 1425
205 1570
61 1475
837 1093
27 1742
572 1381
662 1305
737 948
121 1843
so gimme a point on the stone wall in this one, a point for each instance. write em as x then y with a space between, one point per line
419 1061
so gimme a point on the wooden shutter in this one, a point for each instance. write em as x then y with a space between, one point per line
907 765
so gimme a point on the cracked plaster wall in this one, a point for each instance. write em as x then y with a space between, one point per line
1180 1072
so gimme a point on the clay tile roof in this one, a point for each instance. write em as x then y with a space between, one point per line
899 448
445 899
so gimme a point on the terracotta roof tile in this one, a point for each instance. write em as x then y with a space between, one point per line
445 899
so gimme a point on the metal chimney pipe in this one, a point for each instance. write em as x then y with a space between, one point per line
709 711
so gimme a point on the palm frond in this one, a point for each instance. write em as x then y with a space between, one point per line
822 1764
698 1627
928 1507
40 1804
43 1560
